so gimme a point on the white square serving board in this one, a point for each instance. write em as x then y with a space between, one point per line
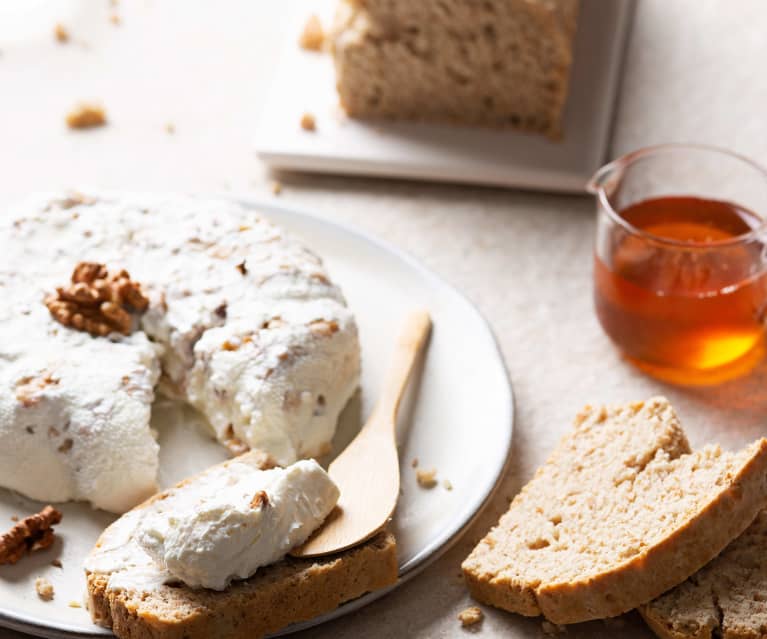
305 82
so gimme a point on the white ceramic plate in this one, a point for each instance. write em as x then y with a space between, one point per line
458 421
305 82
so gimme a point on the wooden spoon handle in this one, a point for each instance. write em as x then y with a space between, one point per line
412 338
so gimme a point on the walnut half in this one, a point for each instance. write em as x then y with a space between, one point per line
96 301
33 533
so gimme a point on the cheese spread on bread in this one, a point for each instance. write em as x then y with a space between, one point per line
220 525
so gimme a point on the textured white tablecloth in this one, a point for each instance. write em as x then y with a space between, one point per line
695 72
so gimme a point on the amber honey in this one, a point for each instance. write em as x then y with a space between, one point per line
692 300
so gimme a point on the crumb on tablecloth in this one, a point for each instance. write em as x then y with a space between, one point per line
313 36
471 616
44 589
308 123
61 33
426 478
86 116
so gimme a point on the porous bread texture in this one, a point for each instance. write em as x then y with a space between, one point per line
724 599
619 513
499 63
287 592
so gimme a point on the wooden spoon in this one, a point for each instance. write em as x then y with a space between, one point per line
367 471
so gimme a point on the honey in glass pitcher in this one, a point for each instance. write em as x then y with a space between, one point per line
680 280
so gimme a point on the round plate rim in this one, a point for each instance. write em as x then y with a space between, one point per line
432 551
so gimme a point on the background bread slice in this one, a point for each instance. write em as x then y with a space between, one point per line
290 591
498 63
618 514
727 598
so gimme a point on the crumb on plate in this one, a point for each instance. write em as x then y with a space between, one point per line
447 484
276 188
86 116
56 563
414 463
426 478
115 19
44 588
61 33
170 128
74 604
313 36
308 123
471 616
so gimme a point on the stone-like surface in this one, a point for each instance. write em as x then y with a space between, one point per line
693 73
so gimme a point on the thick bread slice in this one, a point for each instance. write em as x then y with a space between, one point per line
724 599
619 513
278 595
500 63
290 591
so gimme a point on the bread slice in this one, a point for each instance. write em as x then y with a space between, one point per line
501 63
724 599
287 592
142 604
619 513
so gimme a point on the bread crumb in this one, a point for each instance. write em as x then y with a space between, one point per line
308 123
313 36
414 463
471 616
426 478
552 629
170 128
14 518
61 33
447 484
44 588
75 604
115 19
56 563
276 188
85 116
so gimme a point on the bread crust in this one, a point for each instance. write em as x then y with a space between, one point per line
726 598
664 632
287 592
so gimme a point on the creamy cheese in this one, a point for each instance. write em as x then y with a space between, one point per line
221 525
243 323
